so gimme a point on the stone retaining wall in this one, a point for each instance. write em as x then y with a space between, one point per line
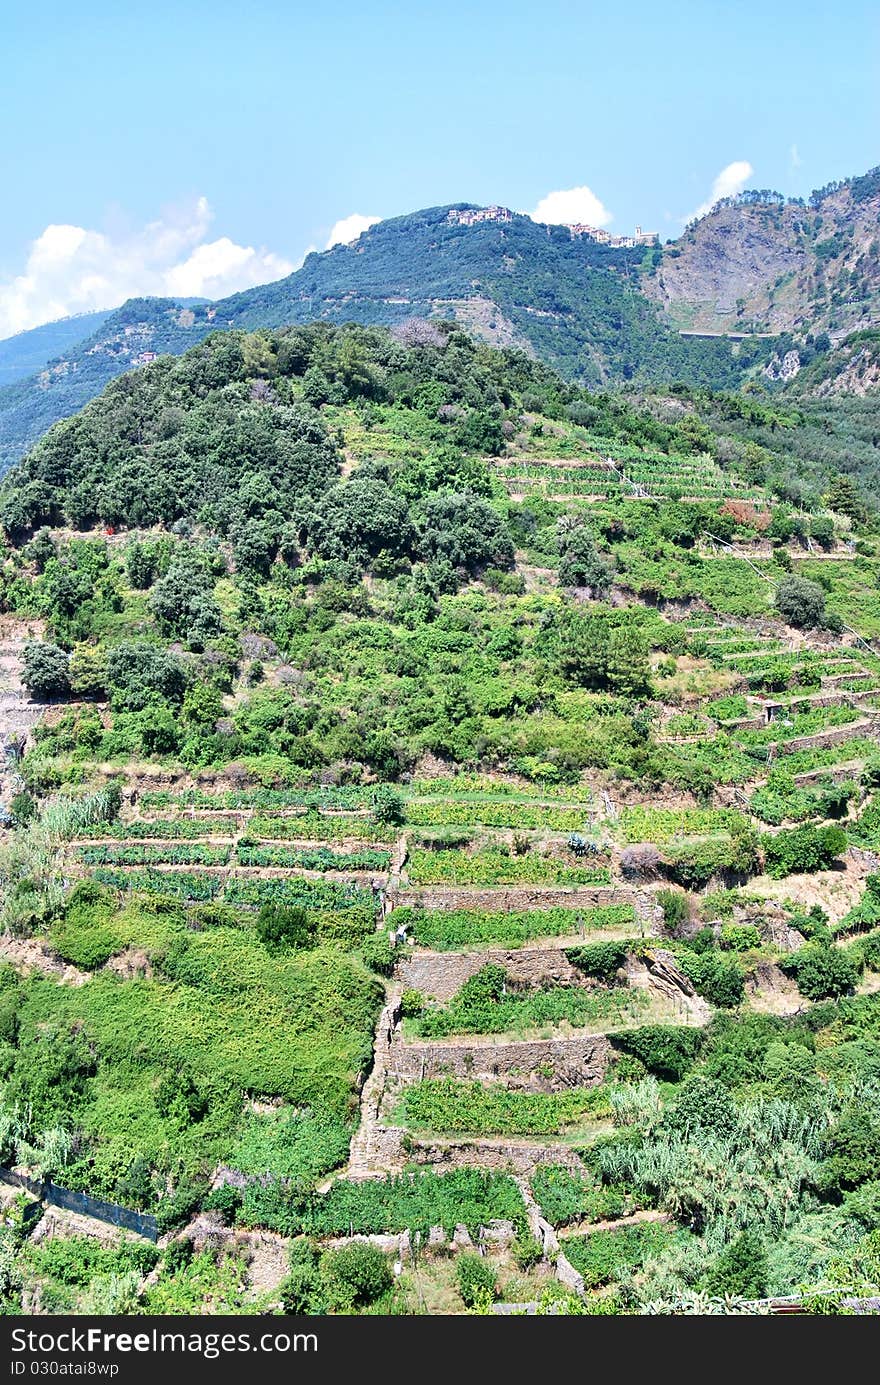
836 735
442 974
499 1156
539 1065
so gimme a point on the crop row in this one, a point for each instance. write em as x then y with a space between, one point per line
166 829
311 858
139 854
202 886
322 827
331 796
496 868
446 930
525 815
409 1202
661 825
180 884
449 1106
465 786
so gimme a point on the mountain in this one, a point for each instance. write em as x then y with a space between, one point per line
789 279
28 352
759 263
565 299
131 336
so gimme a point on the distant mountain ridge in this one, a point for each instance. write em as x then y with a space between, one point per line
603 315
759 263
26 352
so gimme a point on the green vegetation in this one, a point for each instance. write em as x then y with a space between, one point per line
450 1106
386 656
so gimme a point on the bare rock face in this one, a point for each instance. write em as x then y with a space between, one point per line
769 266
783 368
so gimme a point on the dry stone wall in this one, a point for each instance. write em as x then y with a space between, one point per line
441 975
499 1156
539 1065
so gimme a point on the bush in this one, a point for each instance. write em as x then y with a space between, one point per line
388 806
46 670
666 1050
602 960
282 928
802 850
379 954
355 1275
800 602
226 1200
674 904
741 1269
718 979
412 1003
527 1252
822 972
475 1278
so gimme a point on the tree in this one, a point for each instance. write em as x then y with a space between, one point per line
800 602
580 562
138 674
822 530
46 670
822 972
843 497
464 529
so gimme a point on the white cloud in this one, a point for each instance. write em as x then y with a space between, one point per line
570 207
70 269
349 228
729 182
796 160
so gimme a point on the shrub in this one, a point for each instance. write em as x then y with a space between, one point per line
822 972
388 806
800 602
674 904
527 1251
666 1050
282 928
226 1200
718 979
602 960
475 1278
741 1269
379 954
802 850
355 1275
412 1003
45 671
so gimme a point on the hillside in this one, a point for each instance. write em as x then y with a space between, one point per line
453 804
805 276
141 329
27 352
760 264
574 303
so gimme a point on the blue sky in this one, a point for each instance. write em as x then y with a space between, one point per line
216 142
